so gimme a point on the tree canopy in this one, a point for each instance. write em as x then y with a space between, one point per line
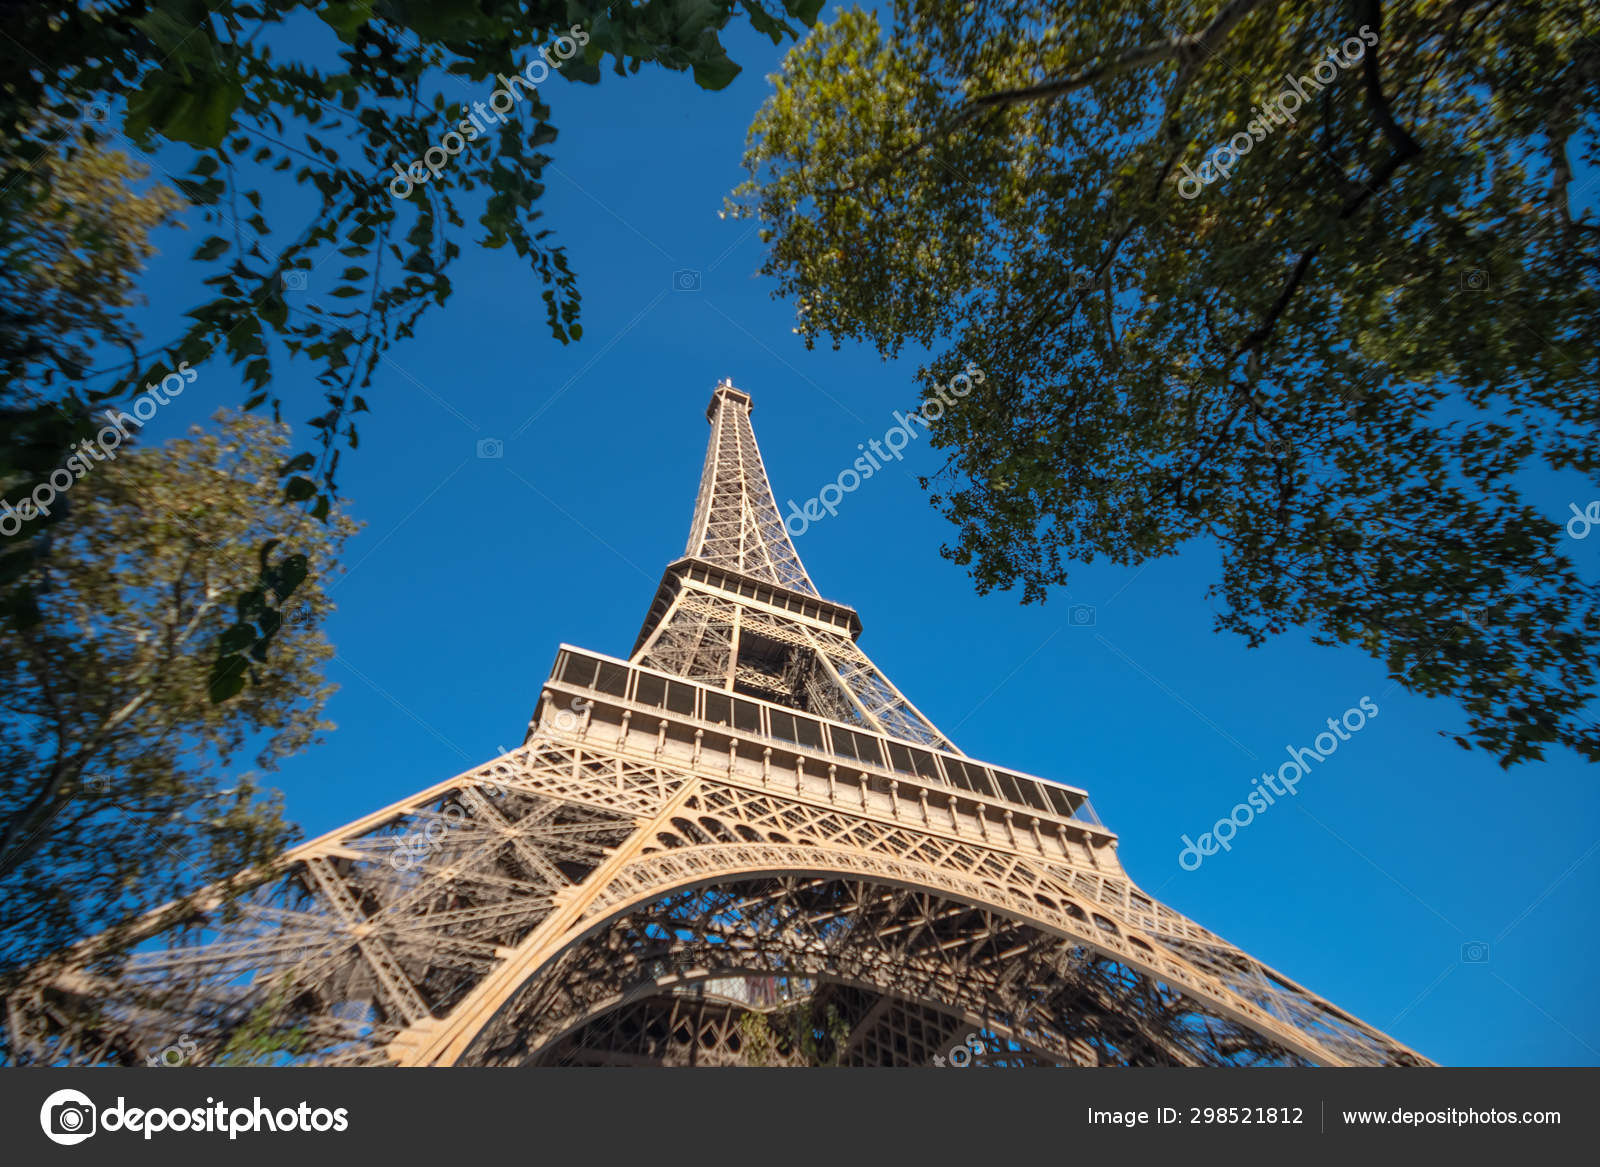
110 751
75 232
342 98
338 95
1309 281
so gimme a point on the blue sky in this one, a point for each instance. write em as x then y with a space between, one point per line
1397 853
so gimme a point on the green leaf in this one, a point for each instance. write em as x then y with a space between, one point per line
301 461
271 621
194 110
250 603
227 678
764 23
804 11
717 74
289 574
237 638
346 16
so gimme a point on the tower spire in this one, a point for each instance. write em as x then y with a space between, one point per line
737 524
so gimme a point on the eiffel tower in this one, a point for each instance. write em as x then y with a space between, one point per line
741 845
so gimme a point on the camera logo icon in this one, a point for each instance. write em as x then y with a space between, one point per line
491 448
1475 952
1475 280
685 281
1081 615
294 281
68 1117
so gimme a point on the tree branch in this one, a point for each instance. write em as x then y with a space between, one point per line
1406 148
1189 49
1370 13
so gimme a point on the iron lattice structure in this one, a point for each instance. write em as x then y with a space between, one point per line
741 845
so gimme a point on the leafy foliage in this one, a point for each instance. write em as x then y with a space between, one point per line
335 96
214 78
1339 361
108 743
261 1038
75 225
769 1039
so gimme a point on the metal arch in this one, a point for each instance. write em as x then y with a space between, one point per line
402 937
1225 984
462 928
988 968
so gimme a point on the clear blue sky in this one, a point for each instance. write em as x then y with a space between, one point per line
1397 852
